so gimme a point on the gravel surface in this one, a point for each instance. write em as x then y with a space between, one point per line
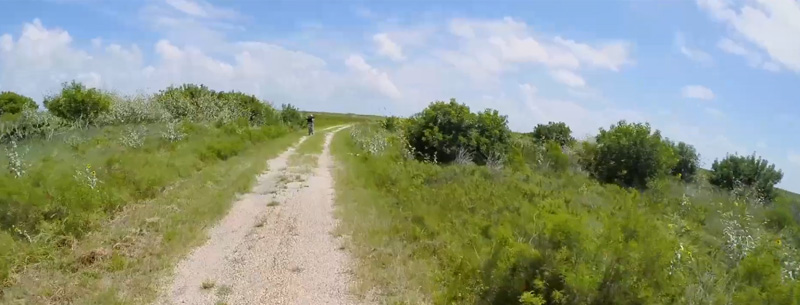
274 246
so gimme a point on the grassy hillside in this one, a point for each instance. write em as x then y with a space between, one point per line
533 233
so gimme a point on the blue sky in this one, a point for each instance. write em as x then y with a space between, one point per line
718 74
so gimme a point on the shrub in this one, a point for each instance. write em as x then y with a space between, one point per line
196 102
134 110
28 124
443 130
558 132
556 158
491 136
749 171
12 103
391 123
688 162
257 112
466 235
290 115
630 154
78 103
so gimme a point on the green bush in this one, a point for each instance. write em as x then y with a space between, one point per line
688 162
75 102
748 171
12 103
291 116
558 132
556 159
200 103
391 123
442 130
466 235
256 111
631 155
490 136
187 101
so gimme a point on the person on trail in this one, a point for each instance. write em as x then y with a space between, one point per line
310 121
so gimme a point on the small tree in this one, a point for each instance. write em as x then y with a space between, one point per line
558 132
258 112
441 130
12 103
491 136
391 123
189 100
688 162
748 171
291 115
76 102
445 129
630 154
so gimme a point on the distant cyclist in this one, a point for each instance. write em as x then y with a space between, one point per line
310 121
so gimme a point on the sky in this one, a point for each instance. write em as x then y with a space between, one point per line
718 74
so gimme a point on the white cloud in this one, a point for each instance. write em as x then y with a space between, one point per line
697 92
376 78
202 9
732 47
714 112
771 26
41 58
753 58
582 120
610 56
364 12
794 158
691 53
493 46
568 78
387 47
771 66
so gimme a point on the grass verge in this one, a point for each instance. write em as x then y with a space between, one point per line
307 153
465 234
386 269
122 262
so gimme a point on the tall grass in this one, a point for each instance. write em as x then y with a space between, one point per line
100 204
536 234
124 260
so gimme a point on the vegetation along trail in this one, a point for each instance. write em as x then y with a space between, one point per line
275 244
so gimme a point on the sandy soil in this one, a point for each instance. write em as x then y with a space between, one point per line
275 245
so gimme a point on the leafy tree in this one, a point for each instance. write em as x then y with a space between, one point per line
12 103
490 136
188 100
76 102
748 171
291 115
258 113
688 162
443 129
190 91
631 154
558 132
391 123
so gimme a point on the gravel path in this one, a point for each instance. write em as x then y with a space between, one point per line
275 245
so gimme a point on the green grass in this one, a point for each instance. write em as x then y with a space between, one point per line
425 233
111 244
308 152
331 119
144 239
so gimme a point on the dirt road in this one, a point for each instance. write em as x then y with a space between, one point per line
274 246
